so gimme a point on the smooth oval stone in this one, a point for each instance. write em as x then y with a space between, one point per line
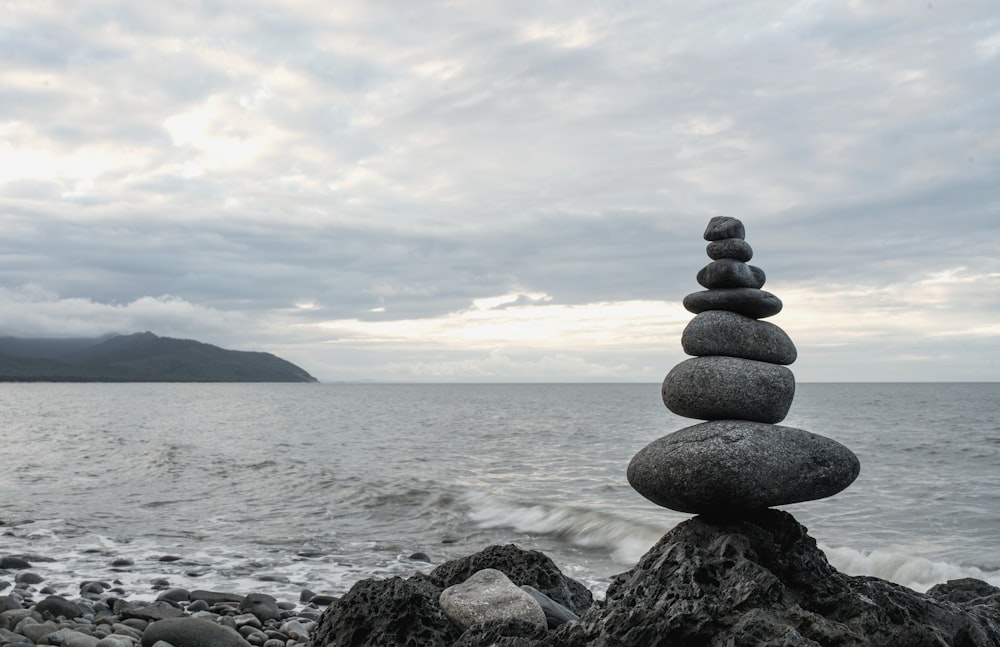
751 302
487 597
720 388
720 332
730 273
262 605
56 606
735 248
721 227
191 632
735 466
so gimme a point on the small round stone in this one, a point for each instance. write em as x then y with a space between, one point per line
719 388
734 248
737 466
721 227
720 332
729 273
751 302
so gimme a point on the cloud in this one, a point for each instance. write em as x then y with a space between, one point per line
32 311
388 165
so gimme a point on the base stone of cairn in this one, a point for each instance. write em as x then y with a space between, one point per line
739 460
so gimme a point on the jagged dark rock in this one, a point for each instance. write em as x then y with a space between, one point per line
761 580
753 581
393 611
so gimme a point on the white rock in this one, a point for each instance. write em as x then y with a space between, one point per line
487 597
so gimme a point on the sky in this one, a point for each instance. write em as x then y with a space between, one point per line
503 190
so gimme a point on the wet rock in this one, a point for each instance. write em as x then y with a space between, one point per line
555 613
14 563
191 632
28 578
393 611
148 611
55 606
761 580
967 591
261 605
215 597
174 595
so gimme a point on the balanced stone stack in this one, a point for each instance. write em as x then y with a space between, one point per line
738 381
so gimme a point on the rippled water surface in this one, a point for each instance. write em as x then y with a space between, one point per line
279 487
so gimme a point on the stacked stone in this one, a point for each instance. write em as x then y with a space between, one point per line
738 381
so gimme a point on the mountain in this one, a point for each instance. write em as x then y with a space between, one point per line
142 357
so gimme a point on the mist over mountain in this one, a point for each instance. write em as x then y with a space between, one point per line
140 357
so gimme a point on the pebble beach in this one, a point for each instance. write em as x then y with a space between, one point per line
102 613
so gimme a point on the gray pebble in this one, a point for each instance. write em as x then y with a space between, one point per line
751 302
729 273
735 248
720 332
719 388
721 227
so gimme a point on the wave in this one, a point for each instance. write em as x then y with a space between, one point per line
917 573
627 540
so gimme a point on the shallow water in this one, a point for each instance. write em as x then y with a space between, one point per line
279 487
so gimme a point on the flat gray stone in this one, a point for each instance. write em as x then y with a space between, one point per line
720 332
746 301
56 606
721 227
487 597
729 388
736 466
730 273
262 605
555 613
78 639
734 248
191 632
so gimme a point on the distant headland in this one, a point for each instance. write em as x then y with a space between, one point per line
140 357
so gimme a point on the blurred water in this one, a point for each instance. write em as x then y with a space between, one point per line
278 487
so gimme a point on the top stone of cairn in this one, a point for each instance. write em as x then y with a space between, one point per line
722 227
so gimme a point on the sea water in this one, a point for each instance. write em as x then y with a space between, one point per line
278 488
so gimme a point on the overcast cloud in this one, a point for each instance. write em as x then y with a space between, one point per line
503 190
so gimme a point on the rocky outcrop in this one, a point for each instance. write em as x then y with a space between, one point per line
755 581
761 580
397 611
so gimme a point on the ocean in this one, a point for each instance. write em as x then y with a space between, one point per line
277 488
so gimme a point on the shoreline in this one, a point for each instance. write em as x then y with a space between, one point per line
103 613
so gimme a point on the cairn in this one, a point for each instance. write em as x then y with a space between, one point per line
738 381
